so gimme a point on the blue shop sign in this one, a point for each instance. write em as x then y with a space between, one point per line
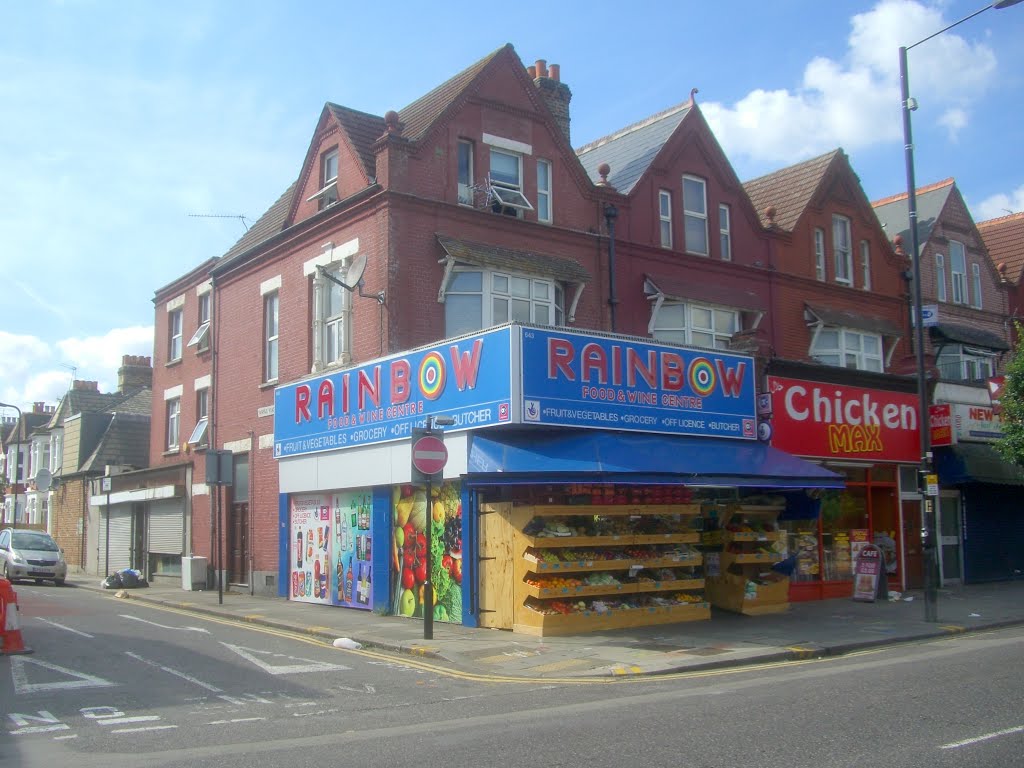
468 378
581 380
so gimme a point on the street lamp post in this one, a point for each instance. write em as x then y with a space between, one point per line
17 463
908 105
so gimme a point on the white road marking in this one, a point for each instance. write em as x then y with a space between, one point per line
163 626
236 720
81 680
144 728
170 671
66 629
64 738
50 723
984 737
308 665
130 719
250 698
314 714
367 688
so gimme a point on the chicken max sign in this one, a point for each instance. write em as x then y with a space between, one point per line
835 421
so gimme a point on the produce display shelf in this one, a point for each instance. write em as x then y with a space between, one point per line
538 566
677 585
729 536
581 591
618 618
625 540
617 510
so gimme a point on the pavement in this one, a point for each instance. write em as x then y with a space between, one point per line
806 630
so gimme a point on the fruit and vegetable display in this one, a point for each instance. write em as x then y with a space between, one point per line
597 525
411 513
586 493
557 557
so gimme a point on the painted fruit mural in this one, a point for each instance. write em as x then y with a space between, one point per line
411 512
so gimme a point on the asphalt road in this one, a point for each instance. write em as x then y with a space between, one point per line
121 683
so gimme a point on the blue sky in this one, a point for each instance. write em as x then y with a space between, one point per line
120 121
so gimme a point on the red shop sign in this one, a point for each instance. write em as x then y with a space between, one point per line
834 421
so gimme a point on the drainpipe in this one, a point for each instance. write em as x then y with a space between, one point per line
610 214
212 443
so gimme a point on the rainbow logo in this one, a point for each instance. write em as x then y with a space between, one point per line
432 376
702 376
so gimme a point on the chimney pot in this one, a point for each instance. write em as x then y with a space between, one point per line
555 71
532 72
542 68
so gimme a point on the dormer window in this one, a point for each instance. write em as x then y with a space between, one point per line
506 184
328 192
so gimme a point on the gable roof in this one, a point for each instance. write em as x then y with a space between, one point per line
1004 240
789 190
630 151
124 441
419 117
362 129
894 212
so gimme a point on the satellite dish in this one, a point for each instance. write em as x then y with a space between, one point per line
355 272
43 480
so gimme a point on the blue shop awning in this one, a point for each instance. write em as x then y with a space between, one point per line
579 456
966 463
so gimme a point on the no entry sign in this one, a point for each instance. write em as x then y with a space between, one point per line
429 455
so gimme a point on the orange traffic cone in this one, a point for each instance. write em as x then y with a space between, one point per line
10 627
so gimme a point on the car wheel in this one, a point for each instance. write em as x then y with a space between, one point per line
7 573
58 582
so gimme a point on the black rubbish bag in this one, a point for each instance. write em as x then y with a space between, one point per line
132 578
113 581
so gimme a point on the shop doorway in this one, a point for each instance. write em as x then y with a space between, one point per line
238 544
238 523
949 529
913 551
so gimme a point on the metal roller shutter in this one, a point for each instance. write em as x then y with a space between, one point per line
166 527
120 539
993 533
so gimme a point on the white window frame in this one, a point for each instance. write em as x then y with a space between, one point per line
970 363
491 293
507 197
271 332
545 213
665 217
850 347
201 338
465 174
690 330
976 286
940 277
697 216
725 231
842 247
865 264
174 329
958 271
336 323
198 436
820 257
173 423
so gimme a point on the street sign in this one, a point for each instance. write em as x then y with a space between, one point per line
429 455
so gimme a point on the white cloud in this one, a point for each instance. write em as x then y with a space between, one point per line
853 101
1000 204
34 371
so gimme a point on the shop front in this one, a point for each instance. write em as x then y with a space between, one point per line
583 472
980 525
869 436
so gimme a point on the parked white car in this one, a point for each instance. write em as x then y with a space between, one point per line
28 554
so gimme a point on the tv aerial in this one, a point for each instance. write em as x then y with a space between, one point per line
241 217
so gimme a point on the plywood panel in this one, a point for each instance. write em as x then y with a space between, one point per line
496 562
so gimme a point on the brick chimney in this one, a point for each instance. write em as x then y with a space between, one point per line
555 93
136 372
85 386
